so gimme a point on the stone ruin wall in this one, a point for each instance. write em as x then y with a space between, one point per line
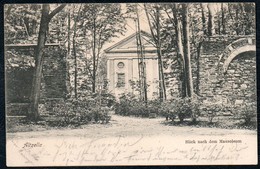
54 87
235 85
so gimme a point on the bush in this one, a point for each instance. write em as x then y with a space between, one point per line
181 108
123 106
81 111
246 112
71 112
167 109
129 105
211 110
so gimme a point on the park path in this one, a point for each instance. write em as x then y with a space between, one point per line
130 126
130 141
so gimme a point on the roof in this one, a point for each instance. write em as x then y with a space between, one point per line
128 44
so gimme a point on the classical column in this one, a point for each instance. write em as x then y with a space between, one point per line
130 74
111 74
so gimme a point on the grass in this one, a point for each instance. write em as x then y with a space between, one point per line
226 122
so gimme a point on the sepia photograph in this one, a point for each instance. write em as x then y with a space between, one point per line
126 84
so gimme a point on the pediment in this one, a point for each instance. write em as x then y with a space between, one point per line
129 44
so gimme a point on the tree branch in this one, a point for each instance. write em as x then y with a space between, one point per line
150 25
8 11
55 11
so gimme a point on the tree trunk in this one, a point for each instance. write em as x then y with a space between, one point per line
179 49
143 68
236 24
159 52
27 27
211 26
198 69
203 19
219 26
36 85
75 52
223 19
186 45
75 62
68 48
157 41
94 58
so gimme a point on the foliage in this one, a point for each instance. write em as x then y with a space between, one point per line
136 85
240 18
82 111
58 28
181 108
245 111
98 24
167 109
130 105
15 58
21 23
211 110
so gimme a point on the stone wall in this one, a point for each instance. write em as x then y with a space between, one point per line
228 70
19 79
54 74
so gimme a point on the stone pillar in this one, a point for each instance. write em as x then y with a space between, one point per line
110 74
130 74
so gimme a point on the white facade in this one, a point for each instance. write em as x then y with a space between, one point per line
122 66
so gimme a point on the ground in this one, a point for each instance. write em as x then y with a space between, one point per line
128 126
131 141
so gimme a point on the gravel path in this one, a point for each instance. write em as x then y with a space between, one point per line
131 126
131 141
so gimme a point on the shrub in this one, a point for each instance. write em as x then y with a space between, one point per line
81 111
106 99
124 104
130 105
181 108
188 108
211 110
246 111
71 112
167 109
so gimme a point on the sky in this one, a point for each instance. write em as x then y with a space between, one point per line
131 26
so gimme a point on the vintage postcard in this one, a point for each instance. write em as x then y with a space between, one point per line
94 84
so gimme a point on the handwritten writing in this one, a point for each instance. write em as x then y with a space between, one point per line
121 150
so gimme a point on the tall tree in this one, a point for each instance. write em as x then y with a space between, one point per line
180 53
141 47
173 13
76 18
211 24
100 22
223 23
155 28
69 31
186 47
21 23
46 17
203 18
